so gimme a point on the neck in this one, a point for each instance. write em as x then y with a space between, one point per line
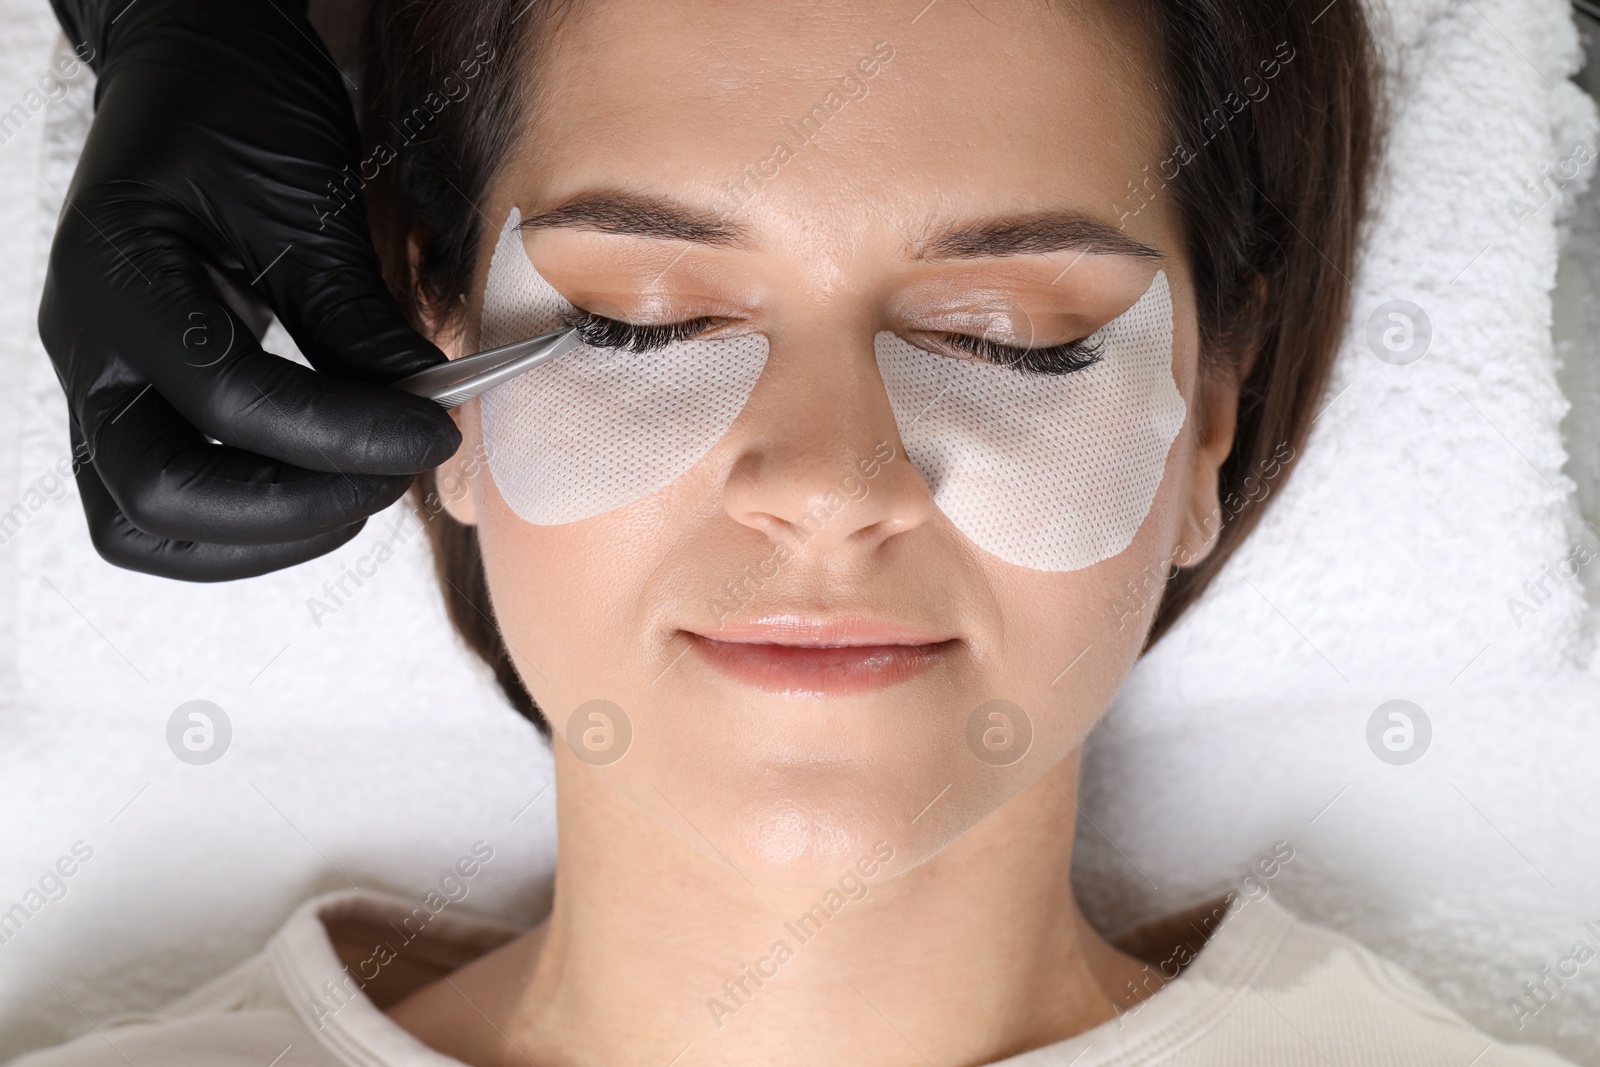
654 953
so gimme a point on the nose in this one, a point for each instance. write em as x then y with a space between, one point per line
819 463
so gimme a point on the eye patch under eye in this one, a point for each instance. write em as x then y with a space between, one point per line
600 427
1050 472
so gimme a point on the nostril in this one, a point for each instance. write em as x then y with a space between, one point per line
855 497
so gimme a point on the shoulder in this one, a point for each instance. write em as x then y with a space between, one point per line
223 1023
1343 997
233 1039
1257 981
310 998
239 1017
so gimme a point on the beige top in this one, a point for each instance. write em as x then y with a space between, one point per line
1265 990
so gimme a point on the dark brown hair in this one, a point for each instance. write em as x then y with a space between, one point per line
1273 110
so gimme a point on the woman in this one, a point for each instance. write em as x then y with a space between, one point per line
916 336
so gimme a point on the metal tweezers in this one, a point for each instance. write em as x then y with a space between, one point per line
458 381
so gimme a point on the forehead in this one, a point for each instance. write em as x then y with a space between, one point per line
833 110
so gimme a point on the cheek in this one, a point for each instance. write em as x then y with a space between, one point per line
567 597
543 582
1072 637
525 589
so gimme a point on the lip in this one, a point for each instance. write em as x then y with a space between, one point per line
821 657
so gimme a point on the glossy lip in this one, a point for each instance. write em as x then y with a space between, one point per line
821 657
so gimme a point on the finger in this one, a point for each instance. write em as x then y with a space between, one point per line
123 544
176 332
298 226
168 481
330 294
233 391
348 326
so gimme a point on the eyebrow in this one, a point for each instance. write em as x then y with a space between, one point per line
666 219
635 215
1033 234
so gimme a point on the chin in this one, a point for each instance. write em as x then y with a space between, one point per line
813 841
804 823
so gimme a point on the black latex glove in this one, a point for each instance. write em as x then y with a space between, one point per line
218 127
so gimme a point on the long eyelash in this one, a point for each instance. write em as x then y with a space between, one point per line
597 331
1056 359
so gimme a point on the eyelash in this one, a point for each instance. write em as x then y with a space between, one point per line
597 331
1068 358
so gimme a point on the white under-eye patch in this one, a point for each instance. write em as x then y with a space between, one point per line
598 428
1049 472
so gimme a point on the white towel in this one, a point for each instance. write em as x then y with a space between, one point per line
1387 569
369 749
372 749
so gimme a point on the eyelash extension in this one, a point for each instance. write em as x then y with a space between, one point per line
1055 360
597 331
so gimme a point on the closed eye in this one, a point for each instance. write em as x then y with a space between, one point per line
1059 359
597 331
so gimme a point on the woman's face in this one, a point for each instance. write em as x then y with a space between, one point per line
942 162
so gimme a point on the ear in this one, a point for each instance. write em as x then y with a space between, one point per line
1219 416
455 480
1219 419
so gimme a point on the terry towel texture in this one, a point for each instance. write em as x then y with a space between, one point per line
1392 567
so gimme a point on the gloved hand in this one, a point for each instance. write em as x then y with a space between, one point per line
220 126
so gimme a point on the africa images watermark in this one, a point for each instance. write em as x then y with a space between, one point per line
741 592
50 486
1152 580
453 88
50 87
1251 887
1143 191
1540 992
453 887
847 88
51 885
852 886
338 592
1537 194
1537 589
